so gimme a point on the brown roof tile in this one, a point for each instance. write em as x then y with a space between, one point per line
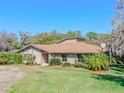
69 48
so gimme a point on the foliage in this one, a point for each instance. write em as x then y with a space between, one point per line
92 35
117 60
15 45
10 58
53 37
79 65
10 42
6 40
66 64
97 39
117 44
95 62
25 38
55 61
15 58
105 38
72 34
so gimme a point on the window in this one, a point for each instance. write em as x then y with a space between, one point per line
79 56
64 57
26 56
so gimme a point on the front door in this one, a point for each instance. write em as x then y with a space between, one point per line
45 58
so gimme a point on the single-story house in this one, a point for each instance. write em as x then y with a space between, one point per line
67 50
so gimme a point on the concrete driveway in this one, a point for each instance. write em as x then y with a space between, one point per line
8 76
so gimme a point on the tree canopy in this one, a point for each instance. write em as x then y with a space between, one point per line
9 41
92 35
6 41
117 44
53 36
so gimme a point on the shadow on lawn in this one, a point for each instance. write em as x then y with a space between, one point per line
112 78
119 69
118 77
120 66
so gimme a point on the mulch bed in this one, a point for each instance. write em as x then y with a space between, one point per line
102 71
34 65
31 65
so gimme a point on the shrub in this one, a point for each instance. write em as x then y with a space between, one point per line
15 58
66 64
55 61
3 58
99 61
10 58
79 65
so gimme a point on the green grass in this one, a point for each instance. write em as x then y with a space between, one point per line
68 80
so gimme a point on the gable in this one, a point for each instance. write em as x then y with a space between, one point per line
30 48
70 40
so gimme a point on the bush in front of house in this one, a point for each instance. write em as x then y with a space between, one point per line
55 61
97 62
4 58
66 64
15 58
10 58
79 65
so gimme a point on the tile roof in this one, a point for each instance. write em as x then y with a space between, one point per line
69 48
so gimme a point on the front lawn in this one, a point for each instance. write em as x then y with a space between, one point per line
68 80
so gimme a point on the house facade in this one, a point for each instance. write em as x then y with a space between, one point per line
67 50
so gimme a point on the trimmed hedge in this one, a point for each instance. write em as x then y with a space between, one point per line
10 58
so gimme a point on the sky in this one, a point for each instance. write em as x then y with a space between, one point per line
35 16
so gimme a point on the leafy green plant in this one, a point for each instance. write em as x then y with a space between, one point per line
10 58
99 61
55 61
66 64
3 58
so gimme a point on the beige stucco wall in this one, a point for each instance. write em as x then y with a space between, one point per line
69 41
50 56
71 58
58 56
38 55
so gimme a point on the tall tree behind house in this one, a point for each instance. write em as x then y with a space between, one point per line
117 44
6 41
